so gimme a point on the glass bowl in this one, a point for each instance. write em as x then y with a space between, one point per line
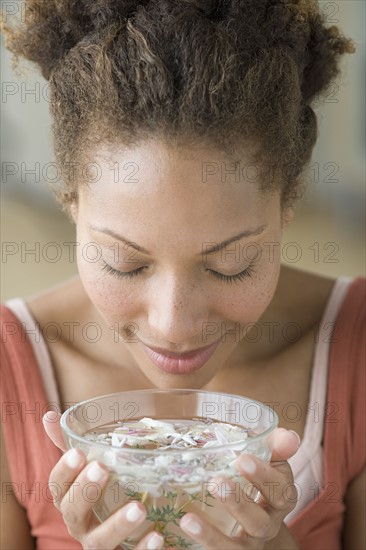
170 481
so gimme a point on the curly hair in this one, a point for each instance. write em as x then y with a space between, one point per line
225 73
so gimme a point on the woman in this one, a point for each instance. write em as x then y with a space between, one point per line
182 129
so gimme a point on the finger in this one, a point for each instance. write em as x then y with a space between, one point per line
51 423
207 535
285 445
153 541
120 525
77 505
235 496
65 473
275 481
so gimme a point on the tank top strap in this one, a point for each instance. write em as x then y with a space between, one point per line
31 453
24 402
314 424
20 309
345 422
320 523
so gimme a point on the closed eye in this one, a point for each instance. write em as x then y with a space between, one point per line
248 272
121 274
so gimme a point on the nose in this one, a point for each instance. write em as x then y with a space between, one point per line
177 313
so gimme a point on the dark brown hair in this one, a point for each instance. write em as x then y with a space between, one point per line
226 74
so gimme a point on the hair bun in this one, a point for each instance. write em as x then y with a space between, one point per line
59 25
301 27
324 48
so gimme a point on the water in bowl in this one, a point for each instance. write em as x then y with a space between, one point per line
175 477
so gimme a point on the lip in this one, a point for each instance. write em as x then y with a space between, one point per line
180 363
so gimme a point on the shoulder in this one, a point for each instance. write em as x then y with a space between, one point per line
347 378
354 303
14 342
53 311
350 322
64 303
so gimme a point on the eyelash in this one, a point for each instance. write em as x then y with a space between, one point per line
121 274
248 272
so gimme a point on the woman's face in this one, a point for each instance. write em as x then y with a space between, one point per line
171 205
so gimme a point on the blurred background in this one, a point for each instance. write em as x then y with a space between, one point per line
326 235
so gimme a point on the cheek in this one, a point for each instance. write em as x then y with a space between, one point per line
242 302
248 300
110 296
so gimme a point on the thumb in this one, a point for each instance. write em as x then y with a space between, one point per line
51 423
285 444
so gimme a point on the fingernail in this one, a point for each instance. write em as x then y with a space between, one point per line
191 525
247 464
95 472
297 436
133 512
73 459
50 416
154 542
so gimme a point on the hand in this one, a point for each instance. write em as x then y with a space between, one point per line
261 522
67 484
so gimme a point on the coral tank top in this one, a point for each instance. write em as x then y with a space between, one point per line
331 454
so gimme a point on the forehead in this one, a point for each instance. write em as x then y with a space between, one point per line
161 198
174 173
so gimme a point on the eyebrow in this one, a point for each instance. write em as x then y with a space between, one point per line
209 249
